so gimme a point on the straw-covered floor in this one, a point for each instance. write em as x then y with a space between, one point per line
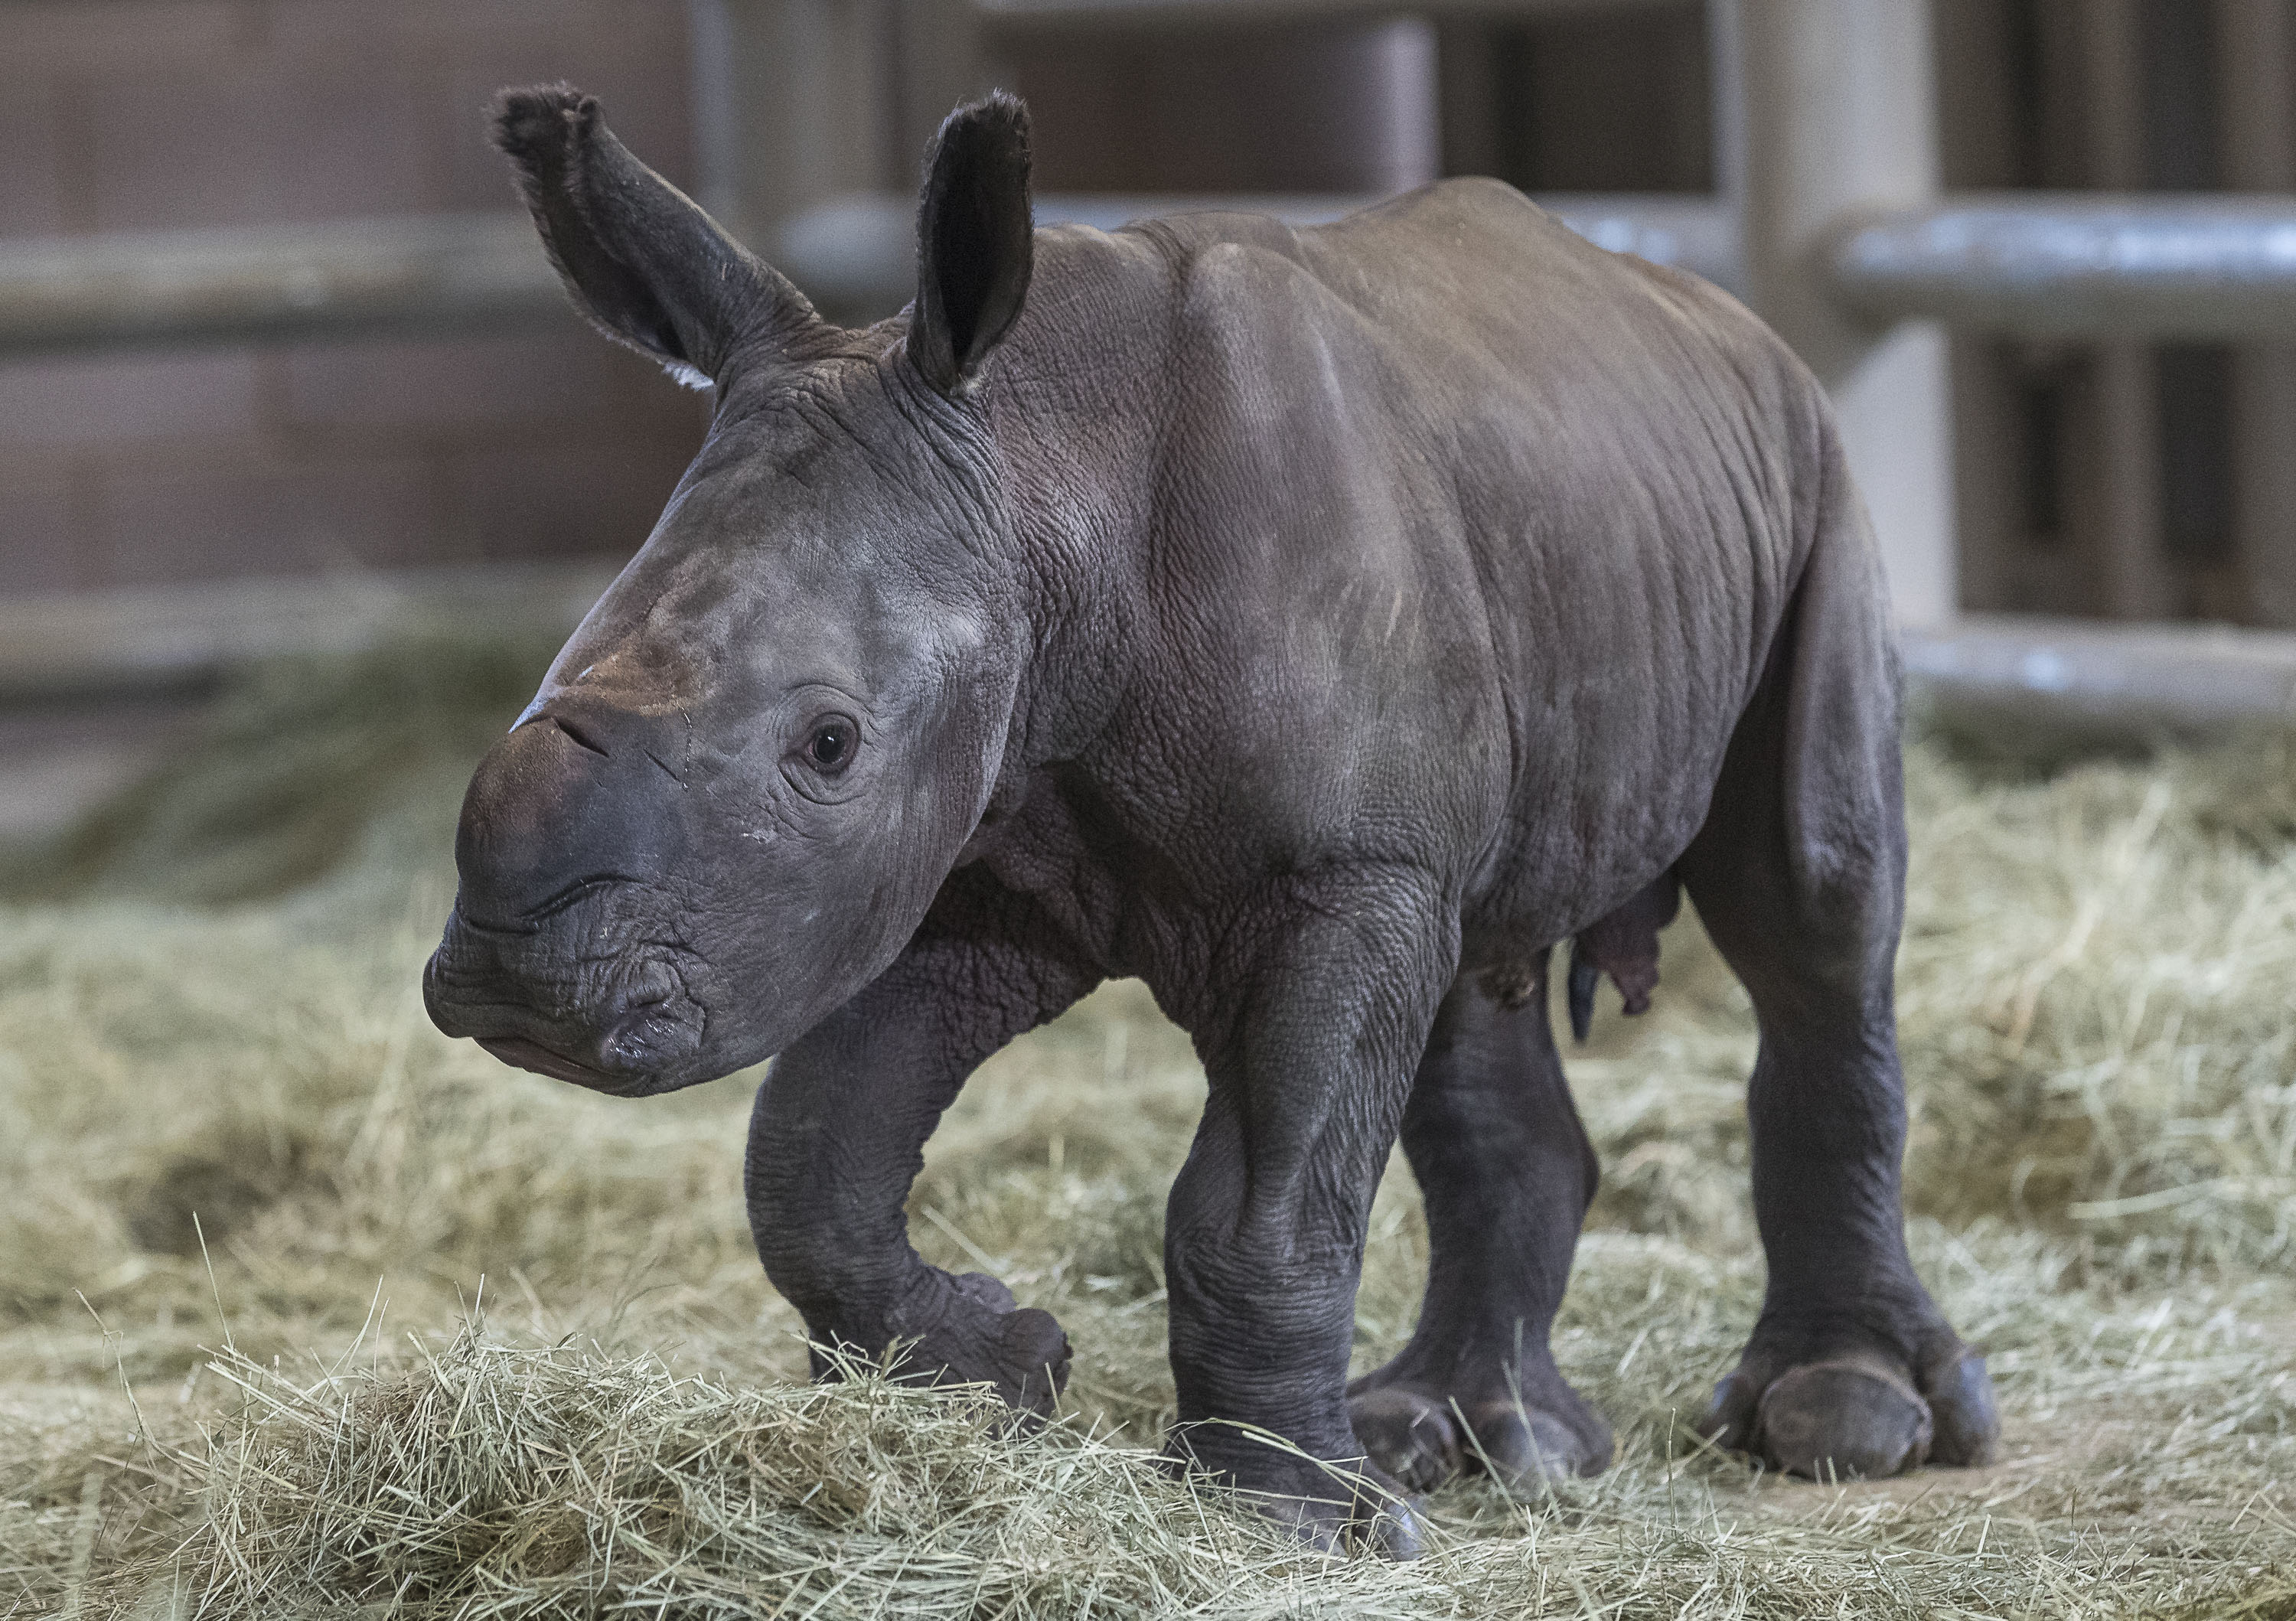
468 1342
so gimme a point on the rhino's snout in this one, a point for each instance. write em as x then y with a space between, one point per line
575 797
617 1023
554 959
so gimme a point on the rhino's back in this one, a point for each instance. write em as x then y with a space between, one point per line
1479 479
1636 459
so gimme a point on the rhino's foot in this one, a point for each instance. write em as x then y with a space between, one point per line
1345 1507
969 1331
1525 1440
1857 1413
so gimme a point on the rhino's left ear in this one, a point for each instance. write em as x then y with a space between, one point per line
974 239
648 268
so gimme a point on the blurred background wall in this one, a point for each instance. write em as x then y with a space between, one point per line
140 468
2125 478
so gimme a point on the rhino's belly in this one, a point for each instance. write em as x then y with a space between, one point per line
1628 637
1614 777
1550 878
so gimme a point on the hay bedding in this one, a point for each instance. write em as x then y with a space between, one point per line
208 1008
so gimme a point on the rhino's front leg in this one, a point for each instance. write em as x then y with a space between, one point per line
838 1136
1309 1046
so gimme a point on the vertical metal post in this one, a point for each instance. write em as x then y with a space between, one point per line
939 60
1824 108
1410 111
2257 42
799 100
1983 145
2135 581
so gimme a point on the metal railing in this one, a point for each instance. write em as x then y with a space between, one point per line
1198 13
858 253
2030 264
2038 266
854 255
2032 678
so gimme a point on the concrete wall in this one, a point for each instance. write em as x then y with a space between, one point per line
125 115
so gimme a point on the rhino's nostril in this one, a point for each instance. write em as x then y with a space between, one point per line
652 1032
637 1012
582 738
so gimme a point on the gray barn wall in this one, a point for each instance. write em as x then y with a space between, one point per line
148 468
2120 480
153 468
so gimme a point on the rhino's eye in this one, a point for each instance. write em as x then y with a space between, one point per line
830 746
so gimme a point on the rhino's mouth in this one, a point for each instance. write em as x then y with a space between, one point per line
521 1053
524 1053
640 1049
619 1022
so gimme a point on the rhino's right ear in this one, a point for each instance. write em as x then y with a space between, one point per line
974 241
647 266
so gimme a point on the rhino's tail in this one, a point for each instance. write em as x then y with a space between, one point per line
1623 945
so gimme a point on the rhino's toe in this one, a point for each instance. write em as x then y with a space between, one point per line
1391 1531
1413 1438
1424 1441
1850 1418
1968 1422
1343 1508
1528 1449
1860 1415
978 1336
1031 1360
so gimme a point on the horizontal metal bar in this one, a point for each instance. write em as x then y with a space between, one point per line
2078 266
857 255
146 640
1201 13
2019 674
2054 675
423 274
2035 265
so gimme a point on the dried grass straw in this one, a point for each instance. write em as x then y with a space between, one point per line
207 1008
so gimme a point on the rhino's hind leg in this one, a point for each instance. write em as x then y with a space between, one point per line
1851 1369
1506 1172
1798 876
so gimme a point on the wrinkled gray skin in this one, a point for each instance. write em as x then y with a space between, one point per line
1320 624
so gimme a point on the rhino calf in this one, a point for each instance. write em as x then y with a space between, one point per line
1320 624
